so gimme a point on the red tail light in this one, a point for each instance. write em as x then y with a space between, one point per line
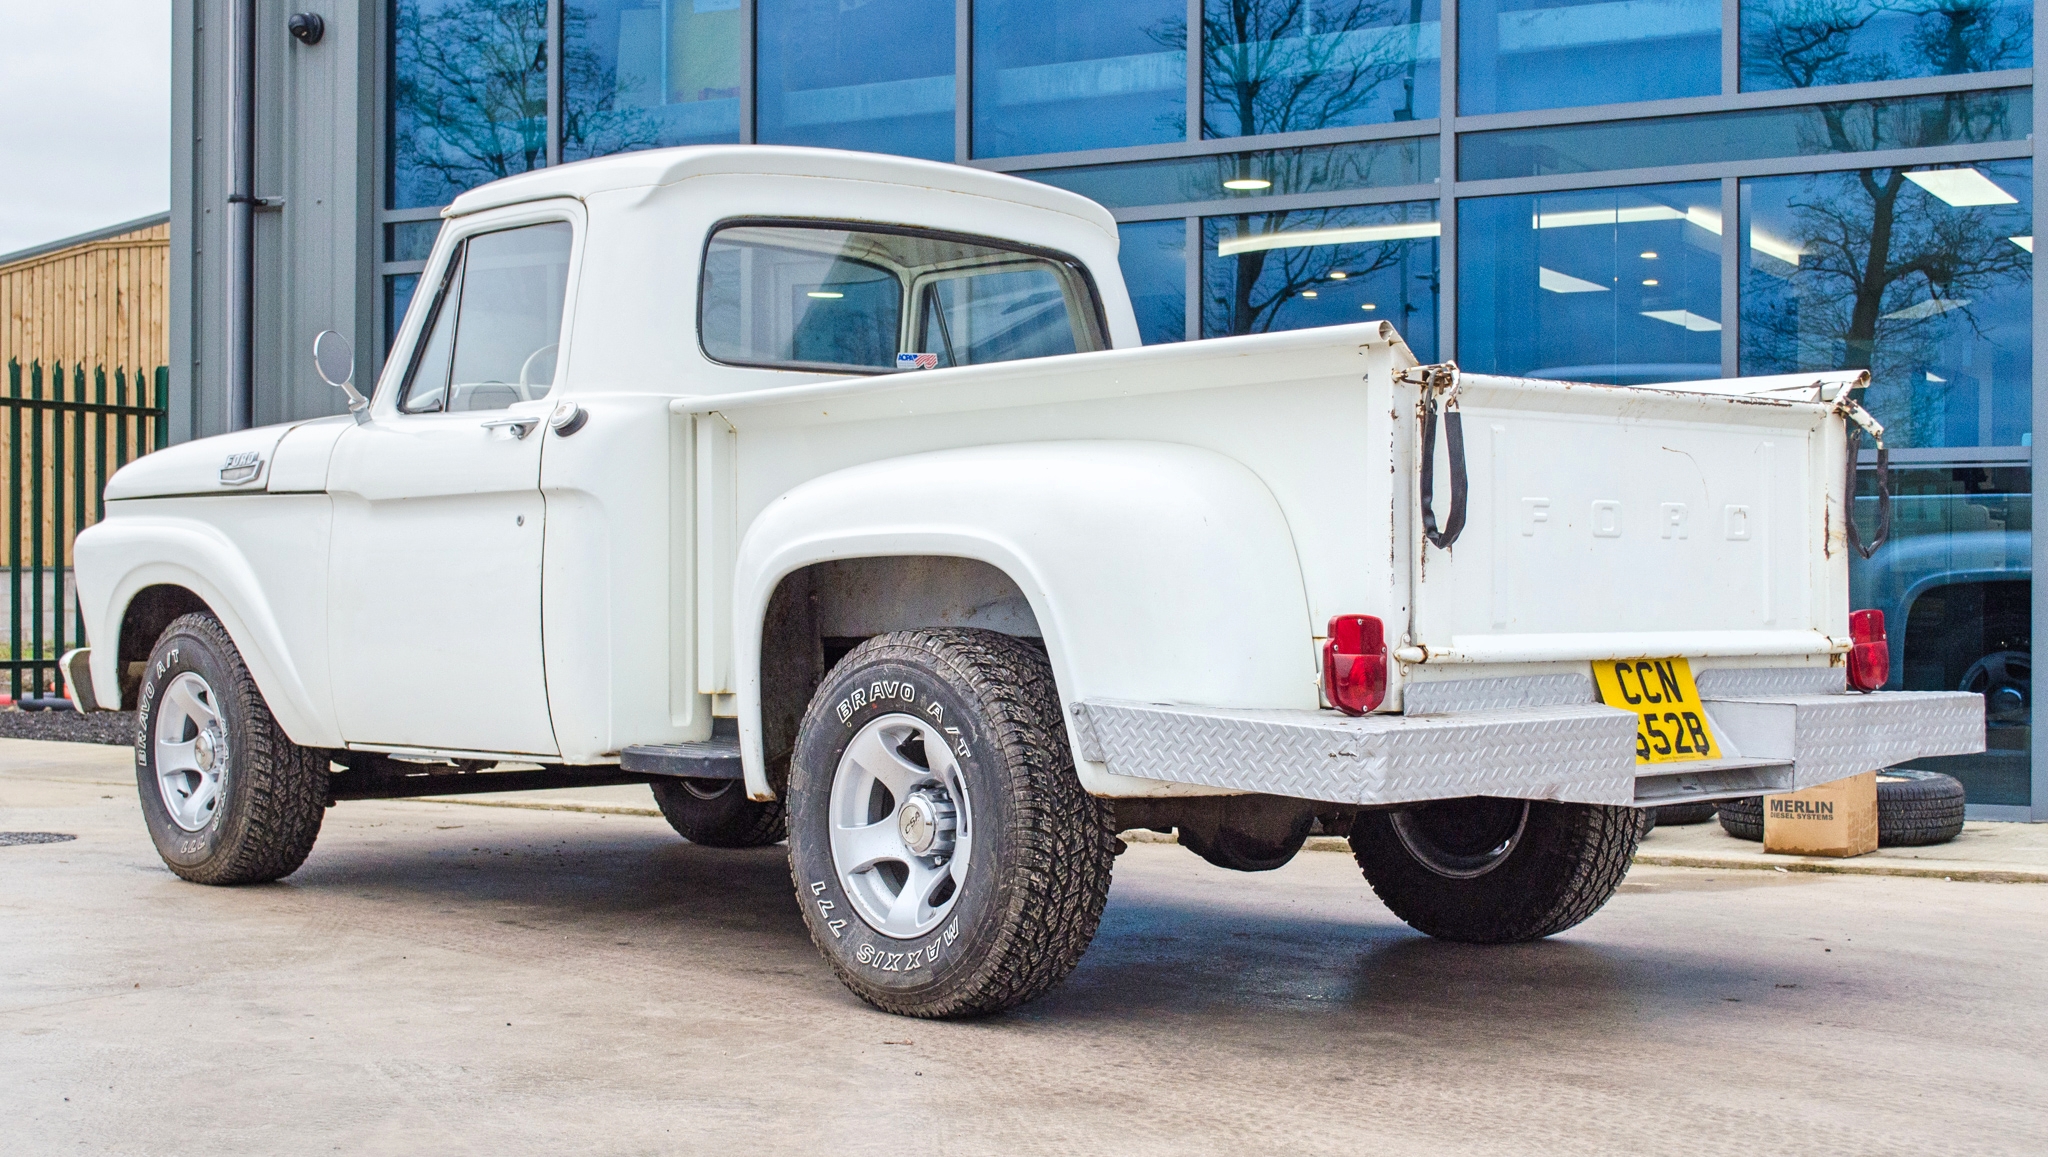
1870 657
1355 664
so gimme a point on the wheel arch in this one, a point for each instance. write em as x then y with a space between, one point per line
1092 547
135 571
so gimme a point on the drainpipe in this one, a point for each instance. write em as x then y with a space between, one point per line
241 346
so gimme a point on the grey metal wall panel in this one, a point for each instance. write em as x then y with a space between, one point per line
315 248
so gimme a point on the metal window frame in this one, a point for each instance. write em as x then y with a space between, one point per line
1446 190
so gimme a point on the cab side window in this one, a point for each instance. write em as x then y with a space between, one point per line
496 323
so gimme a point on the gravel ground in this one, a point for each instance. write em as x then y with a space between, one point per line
111 727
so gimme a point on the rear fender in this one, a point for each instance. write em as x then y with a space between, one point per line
119 558
1156 572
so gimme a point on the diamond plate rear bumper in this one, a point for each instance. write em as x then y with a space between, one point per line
1579 753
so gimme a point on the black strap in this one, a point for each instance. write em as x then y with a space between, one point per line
1884 493
1454 439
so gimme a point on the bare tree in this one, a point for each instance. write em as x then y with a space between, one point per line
470 80
1275 66
1802 43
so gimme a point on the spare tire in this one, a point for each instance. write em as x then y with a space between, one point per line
1915 808
1743 818
1678 814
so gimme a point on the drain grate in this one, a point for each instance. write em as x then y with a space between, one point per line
12 839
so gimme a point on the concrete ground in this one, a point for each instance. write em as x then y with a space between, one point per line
452 979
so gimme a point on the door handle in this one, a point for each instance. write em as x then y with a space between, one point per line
520 427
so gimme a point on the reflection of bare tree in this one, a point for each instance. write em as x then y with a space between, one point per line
1256 285
470 80
1276 66
1879 281
593 122
1801 43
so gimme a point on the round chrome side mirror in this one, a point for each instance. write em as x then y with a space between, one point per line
335 361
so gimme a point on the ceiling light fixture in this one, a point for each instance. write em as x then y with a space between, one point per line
1649 255
1556 282
1368 305
824 295
2026 243
1307 238
1649 281
1964 188
1308 293
1247 183
1339 275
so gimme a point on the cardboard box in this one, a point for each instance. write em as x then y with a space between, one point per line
1834 819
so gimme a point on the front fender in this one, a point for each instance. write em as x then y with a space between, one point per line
122 556
1157 572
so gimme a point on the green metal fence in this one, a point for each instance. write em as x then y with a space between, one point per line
61 446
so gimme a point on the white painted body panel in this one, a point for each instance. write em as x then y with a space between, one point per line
1179 520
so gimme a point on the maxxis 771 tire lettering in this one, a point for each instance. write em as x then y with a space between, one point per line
1020 885
250 808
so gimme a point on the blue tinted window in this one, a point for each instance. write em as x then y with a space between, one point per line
1798 43
1943 321
1515 55
639 74
1278 66
1052 76
398 292
1263 272
1249 176
1617 285
469 95
876 77
1914 122
1154 257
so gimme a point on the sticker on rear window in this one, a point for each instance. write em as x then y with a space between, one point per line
909 361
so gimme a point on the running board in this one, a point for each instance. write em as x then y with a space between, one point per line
715 759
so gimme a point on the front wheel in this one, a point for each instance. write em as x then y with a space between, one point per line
228 797
1495 871
946 858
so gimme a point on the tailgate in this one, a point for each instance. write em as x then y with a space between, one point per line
1619 521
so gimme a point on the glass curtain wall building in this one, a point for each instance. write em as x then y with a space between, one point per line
1601 190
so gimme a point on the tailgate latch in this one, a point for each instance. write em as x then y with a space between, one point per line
1434 380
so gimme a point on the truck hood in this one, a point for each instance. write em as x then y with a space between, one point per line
236 463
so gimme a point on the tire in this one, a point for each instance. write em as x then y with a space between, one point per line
717 813
1742 818
1495 871
1646 822
1917 808
249 806
1914 809
950 741
1681 814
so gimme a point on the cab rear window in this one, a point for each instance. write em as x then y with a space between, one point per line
867 300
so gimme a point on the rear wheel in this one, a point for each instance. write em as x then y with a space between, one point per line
717 813
947 860
227 796
1495 871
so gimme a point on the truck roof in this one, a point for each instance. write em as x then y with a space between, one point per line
653 167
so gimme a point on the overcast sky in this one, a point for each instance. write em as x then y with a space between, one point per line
85 116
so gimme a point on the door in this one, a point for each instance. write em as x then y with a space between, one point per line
435 624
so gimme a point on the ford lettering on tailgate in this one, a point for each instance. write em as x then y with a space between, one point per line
1671 725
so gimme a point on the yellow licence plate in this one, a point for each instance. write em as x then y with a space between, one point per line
1671 725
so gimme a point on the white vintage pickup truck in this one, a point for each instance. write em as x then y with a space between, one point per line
833 496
